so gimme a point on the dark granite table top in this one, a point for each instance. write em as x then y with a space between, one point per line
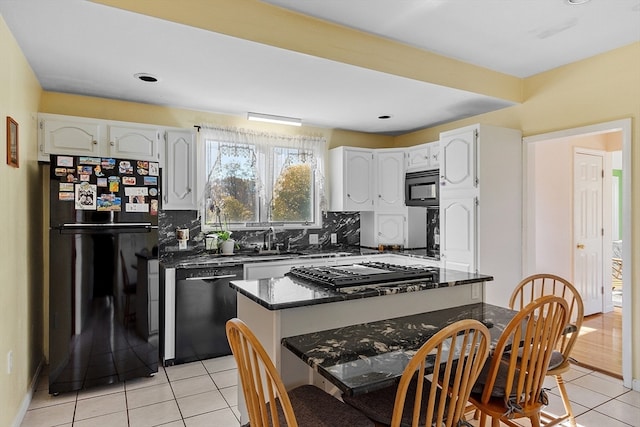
288 292
370 356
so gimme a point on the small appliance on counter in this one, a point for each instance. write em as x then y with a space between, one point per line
103 211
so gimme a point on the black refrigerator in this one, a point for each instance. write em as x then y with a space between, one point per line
103 217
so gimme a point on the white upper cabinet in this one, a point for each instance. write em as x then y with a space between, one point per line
133 142
70 136
179 189
423 156
389 183
352 179
80 136
458 161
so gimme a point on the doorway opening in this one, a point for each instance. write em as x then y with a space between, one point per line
549 208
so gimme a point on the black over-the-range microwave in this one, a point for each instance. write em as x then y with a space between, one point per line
422 188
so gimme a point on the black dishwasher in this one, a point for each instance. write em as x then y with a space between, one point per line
204 303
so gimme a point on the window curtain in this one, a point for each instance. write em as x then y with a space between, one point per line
264 141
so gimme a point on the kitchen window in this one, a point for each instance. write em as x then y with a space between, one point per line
256 179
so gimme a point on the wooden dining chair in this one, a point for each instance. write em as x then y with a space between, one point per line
538 285
441 399
269 404
510 384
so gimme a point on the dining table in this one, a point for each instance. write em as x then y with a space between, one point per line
365 357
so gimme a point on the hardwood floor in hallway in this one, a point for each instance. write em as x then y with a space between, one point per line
599 346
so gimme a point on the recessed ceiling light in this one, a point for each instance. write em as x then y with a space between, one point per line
384 117
574 2
146 77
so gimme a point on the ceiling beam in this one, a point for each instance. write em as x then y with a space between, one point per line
267 24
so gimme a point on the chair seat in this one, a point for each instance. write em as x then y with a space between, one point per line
378 405
315 408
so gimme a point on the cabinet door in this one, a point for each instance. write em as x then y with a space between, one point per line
77 138
139 143
418 157
358 180
389 179
179 176
458 218
458 160
390 228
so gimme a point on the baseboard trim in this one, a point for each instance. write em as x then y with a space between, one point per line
26 401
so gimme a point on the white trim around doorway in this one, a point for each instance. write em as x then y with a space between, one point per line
623 125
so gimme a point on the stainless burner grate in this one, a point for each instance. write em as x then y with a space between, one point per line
364 273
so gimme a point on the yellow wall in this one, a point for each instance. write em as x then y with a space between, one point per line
599 89
21 265
596 90
84 106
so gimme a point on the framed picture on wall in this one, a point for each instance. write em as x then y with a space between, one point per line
12 142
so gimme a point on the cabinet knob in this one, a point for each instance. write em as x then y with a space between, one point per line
112 143
348 195
580 246
94 142
379 196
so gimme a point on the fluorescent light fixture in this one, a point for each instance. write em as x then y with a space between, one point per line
291 121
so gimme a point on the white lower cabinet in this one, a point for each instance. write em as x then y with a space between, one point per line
458 244
406 227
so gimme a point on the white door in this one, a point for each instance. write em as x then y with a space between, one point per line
588 230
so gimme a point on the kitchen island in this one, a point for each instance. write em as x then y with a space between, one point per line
276 308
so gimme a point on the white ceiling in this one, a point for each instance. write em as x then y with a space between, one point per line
80 47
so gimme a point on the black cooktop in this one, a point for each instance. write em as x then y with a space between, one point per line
365 273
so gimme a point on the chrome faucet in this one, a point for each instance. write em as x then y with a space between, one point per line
271 235
270 241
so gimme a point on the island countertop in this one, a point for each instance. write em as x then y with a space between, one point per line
289 292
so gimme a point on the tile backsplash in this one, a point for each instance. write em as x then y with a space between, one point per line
346 226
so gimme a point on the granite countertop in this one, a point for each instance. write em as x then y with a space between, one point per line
199 259
206 259
369 356
288 292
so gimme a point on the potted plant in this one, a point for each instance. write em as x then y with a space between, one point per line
225 242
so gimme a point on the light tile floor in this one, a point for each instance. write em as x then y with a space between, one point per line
205 394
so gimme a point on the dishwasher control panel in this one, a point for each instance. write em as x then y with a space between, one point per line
205 273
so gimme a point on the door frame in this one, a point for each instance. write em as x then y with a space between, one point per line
624 126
